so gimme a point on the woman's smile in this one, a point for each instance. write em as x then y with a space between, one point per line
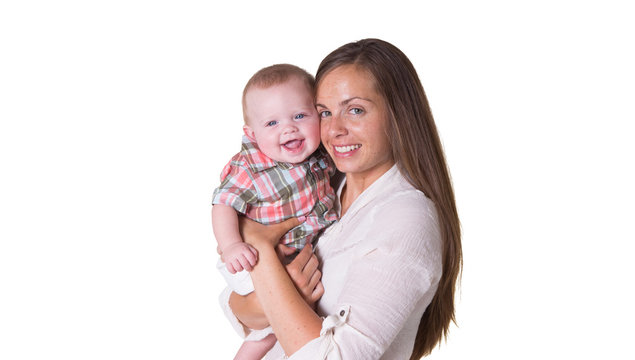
345 150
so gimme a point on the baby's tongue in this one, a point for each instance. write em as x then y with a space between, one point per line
293 144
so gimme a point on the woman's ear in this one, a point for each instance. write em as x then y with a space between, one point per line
249 132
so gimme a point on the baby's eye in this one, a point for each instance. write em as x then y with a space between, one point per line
325 113
271 123
356 111
299 117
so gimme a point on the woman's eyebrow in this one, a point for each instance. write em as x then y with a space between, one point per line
344 102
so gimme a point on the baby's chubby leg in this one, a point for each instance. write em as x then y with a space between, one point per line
255 350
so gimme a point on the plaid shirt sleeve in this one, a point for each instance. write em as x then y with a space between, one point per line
236 188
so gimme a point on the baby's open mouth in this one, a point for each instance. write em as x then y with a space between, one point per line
293 144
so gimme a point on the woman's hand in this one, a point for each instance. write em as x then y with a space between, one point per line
257 234
304 273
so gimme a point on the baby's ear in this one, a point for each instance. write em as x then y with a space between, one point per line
249 132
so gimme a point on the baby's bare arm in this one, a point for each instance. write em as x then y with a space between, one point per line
236 254
225 225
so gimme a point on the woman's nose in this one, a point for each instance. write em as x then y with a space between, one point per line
335 126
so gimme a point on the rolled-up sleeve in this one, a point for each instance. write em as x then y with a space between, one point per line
327 345
393 277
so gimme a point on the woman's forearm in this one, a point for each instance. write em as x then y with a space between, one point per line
292 319
248 310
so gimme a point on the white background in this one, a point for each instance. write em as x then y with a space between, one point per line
116 118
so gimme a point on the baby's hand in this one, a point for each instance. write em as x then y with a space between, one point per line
240 256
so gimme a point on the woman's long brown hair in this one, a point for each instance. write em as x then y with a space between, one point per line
417 150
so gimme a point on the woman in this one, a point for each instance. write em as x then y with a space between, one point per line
390 265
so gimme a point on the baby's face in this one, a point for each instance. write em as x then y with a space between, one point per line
283 121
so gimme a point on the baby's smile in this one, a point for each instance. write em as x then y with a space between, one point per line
294 145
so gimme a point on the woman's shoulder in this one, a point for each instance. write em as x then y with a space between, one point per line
399 196
404 213
408 210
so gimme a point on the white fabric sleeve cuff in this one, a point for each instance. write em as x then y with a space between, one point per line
325 346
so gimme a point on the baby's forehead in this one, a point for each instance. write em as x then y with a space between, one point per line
291 90
292 83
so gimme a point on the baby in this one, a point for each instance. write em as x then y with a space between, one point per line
280 172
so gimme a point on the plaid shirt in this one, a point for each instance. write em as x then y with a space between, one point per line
269 192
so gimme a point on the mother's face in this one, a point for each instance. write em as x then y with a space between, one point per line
354 122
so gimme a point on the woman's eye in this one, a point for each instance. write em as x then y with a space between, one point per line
271 123
299 116
325 113
356 111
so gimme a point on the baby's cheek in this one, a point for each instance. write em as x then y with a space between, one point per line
313 133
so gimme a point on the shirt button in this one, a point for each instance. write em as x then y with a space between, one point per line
342 313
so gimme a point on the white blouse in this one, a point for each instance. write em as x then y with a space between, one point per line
381 264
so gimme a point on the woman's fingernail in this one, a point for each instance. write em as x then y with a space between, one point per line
302 218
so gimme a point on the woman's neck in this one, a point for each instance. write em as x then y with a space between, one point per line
356 183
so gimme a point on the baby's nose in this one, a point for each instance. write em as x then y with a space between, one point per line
290 128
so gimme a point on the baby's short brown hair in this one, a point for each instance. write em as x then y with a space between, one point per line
275 75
